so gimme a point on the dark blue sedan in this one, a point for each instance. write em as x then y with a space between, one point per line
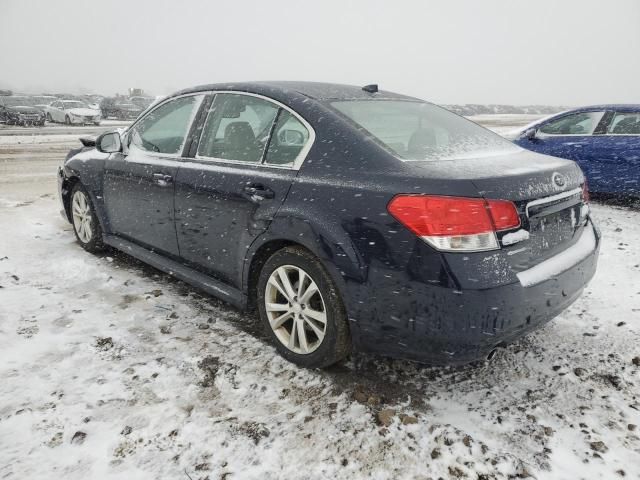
603 139
349 218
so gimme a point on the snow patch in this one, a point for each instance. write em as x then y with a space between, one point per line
515 237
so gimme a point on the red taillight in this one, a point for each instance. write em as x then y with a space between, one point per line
455 223
504 214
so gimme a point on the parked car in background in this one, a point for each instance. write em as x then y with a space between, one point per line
603 139
119 108
348 217
72 112
92 100
43 101
20 110
141 101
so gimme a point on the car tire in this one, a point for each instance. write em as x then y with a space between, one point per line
67 120
49 119
84 220
324 338
97 124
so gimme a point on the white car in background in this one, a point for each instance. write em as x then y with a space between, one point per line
72 112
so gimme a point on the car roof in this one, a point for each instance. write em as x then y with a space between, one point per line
315 90
619 107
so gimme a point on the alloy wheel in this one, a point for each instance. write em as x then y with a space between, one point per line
295 309
81 212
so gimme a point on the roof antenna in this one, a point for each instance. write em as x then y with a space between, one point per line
373 88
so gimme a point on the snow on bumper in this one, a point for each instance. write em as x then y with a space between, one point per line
562 262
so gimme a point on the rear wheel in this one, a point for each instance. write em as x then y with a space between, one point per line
301 309
84 219
49 119
67 120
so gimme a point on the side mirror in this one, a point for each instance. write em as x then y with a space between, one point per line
109 142
530 134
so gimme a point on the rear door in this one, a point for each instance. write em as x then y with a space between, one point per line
241 171
56 112
139 183
614 163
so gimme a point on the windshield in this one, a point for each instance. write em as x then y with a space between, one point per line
422 131
74 104
43 100
17 101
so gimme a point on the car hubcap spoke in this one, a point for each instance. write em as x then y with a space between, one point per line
295 309
277 322
286 283
315 315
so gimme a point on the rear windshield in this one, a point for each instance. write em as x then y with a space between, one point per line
422 131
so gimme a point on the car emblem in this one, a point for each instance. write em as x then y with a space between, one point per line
558 179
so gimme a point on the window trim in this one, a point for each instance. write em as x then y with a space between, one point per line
541 134
180 153
297 163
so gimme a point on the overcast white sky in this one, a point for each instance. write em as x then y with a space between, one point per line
566 52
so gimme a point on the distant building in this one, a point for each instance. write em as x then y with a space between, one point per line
136 92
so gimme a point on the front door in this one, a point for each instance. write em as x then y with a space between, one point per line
139 183
566 137
228 194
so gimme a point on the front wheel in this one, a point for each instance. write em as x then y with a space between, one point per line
301 309
85 222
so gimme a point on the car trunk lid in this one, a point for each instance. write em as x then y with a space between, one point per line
547 192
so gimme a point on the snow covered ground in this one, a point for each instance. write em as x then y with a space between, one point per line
110 369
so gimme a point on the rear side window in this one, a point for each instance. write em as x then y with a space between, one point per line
415 130
288 139
164 129
583 123
625 124
237 128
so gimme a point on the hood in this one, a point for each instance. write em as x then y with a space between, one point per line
83 112
23 109
518 175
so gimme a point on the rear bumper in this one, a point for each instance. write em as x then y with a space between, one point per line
444 326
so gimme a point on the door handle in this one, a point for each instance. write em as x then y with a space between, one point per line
162 179
258 191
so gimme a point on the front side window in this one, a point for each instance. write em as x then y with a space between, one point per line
287 141
625 124
237 128
583 123
165 128
415 130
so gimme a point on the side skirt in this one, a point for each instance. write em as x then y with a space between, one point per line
214 287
